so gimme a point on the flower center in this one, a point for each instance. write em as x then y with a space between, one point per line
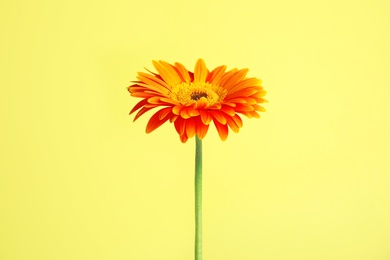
188 93
197 96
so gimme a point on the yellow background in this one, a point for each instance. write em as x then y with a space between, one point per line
309 180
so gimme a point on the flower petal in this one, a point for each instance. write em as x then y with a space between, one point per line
226 76
219 116
165 112
222 130
139 105
154 82
168 73
193 111
190 127
237 119
238 76
183 71
201 128
155 122
245 83
177 109
243 107
180 125
216 74
232 124
246 92
141 112
205 116
200 72
183 138
228 110
184 113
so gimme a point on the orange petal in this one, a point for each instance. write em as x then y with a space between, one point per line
169 101
232 124
219 116
245 83
254 114
193 111
226 76
238 100
228 110
155 100
168 74
222 130
259 108
246 113
201 128
246 92
201 103
200 72
183 71
216 74
177 109
155 122
184 113
237 119
190 127
205 116
142 94
238 76
154 82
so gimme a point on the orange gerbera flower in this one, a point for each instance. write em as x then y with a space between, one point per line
191 100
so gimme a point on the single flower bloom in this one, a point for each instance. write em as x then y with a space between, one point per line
192 100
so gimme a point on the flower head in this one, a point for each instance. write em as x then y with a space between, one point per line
192 100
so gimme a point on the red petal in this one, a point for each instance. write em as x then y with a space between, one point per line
201 129
155 122
164 112
139 105
243 107
141 112
180 125
222 130
183 138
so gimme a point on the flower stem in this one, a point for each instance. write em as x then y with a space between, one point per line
198 199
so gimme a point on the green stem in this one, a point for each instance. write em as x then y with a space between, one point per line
198 199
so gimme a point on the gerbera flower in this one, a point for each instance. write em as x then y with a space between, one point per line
192 100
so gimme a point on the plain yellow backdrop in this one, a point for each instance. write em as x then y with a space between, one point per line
309 180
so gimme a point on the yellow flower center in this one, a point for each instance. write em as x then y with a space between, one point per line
189 93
